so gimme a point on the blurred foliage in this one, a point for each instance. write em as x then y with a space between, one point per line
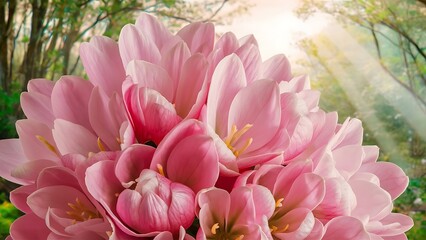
8 213
395 33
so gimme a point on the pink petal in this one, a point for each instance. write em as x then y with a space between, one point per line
102 62
151 76
73 138
150 27
11 156
18 197
29 226
106 115
37 107
392 178
184 129
263 201
215 205
41 86
256 104
277 68
199 37
350 133
228 78
194 163
250 57
37 140
134 45
307 191
348 159
132 161
391 225
338 228
191 82
300 222
173 61
287 176
69 100
31 169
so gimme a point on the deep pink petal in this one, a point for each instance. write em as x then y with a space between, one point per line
194 163
29 227
18 197
102 62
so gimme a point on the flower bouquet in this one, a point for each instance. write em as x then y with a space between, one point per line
187 136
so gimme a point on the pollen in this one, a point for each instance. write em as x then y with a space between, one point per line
234 136
214 228
80 212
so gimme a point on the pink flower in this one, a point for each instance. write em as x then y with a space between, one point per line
140 202
297 191
58 207
241 214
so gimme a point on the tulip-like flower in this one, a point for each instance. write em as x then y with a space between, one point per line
140 201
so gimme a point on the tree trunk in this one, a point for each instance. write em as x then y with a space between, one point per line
6 27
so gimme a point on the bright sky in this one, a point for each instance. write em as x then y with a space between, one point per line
275 27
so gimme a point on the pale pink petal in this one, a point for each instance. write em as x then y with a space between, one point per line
191 82
134 45
317 231
228 78
152 28
256 104
73 138
348 159
392 178
287 176
151 76
194 163
338 229
263 201
37 140
392 225
69 100
41 85
173 60
250 57
106 115
30 170
102 62
350 133
277 68
11 156
307 191
373 203
300 222
37 107
199 37
371 153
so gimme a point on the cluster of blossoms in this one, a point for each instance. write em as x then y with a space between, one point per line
188 137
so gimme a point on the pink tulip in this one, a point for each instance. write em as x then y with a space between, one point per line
297 191
59 208
141 202
241 214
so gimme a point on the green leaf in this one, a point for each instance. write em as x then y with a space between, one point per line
169 3
25 39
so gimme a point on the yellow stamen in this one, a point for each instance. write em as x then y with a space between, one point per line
278 203
214 228
80 213
274 229
47 144
234 135
240 237
160 169
100 145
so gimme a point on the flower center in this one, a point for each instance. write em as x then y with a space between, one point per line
219 235
234 136
80 212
